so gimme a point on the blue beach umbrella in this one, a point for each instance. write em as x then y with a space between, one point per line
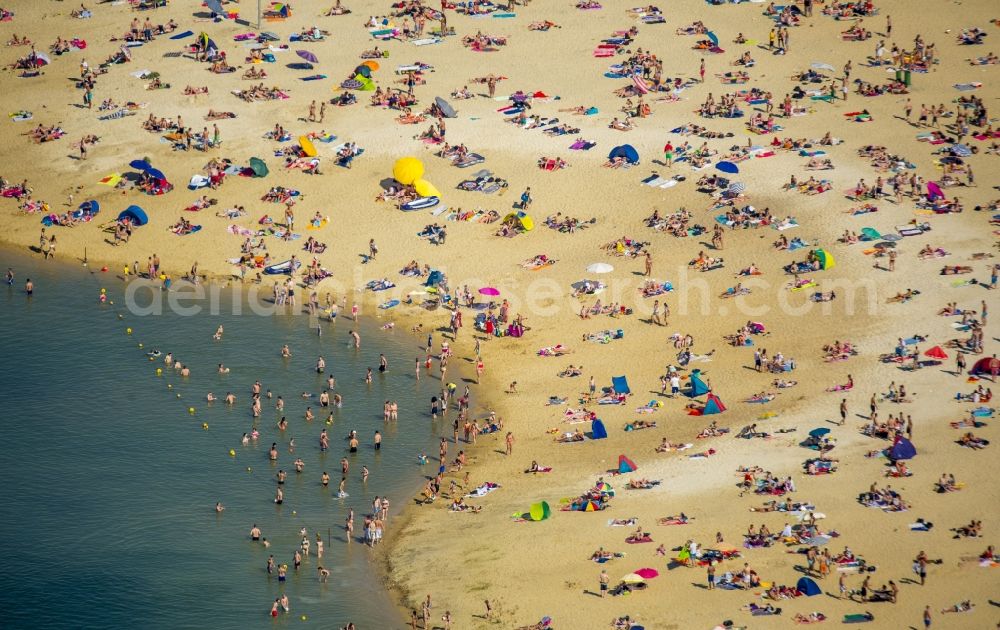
713 37
727 167
155 173
820 432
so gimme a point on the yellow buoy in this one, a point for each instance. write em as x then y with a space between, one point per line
140 345
128 331
150 358
190 409
169 385
204 425
249 469
304 617
232 452
159 371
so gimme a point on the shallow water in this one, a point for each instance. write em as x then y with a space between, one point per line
110 483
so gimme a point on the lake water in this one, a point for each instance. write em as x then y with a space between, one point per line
110 483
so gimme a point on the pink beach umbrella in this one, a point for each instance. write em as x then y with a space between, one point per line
489 291
647 573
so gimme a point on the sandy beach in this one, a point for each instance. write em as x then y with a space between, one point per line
531 570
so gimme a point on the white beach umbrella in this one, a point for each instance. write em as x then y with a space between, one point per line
600 268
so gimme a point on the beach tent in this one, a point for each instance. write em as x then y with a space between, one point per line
135 214
934 191
520 219
366 83
984 366
89 207
825 259
902 449
698 386
870 234
936 353
626 151
713 405
434 278
626 465
539 511
426 189
280 10
597 430
808 587
364 71
307 146
258 167
445 107
620 383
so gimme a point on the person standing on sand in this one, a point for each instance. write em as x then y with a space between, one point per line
604 580
843 411
701 70
510 442
649 263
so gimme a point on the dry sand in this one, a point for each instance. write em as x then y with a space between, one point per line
535 569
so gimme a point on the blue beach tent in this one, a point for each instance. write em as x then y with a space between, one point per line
620 384
597 430
626 151
135 214
808 587
698 386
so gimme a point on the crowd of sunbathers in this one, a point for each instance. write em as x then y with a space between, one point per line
261 93
885 499
43 133
727 107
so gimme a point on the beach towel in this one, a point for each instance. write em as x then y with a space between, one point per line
968 87
315 77
182 35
